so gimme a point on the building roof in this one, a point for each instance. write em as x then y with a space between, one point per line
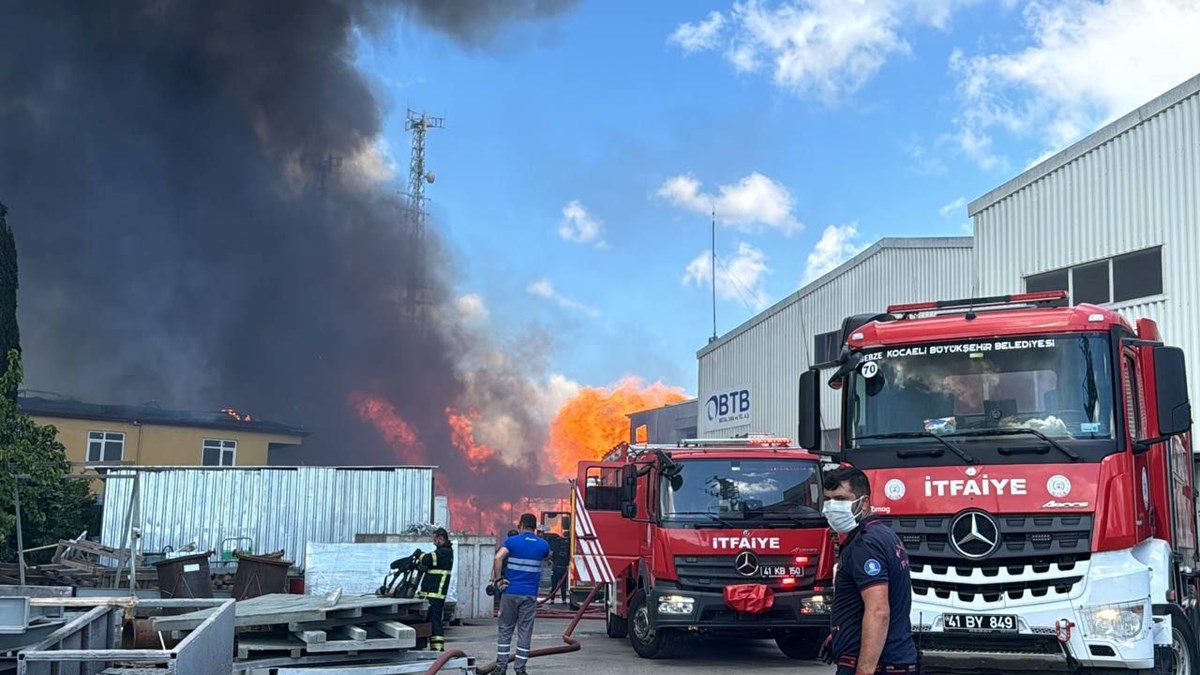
690 402
228 420
812 286
1094 140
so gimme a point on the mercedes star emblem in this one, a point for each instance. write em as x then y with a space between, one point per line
746 563
975 534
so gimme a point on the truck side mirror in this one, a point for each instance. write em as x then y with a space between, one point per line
628 491
1171 391
808 435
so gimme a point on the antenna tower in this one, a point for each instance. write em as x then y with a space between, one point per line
416 295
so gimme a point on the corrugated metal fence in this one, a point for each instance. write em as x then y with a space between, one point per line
276 507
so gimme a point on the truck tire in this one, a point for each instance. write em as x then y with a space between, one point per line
1180 657
647 642
802 644
616 626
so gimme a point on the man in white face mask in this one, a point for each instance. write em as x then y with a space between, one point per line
870 630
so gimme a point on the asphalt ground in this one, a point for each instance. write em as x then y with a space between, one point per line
601 655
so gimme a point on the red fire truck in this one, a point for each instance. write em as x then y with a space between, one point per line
1034 459
706 537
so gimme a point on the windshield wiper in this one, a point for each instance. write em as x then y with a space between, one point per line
711 516
814 521
962 454
1007 431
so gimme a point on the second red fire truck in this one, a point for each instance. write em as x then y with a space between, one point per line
706 537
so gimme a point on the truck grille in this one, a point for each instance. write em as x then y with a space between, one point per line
1040 557
715 572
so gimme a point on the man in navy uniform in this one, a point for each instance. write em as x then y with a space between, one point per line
872 590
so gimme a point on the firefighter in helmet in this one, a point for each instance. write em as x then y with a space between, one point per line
436 566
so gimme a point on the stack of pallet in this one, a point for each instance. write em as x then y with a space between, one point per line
283 630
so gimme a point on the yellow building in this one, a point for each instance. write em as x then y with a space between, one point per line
147 435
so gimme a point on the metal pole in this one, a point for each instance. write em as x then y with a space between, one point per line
20 535
713 266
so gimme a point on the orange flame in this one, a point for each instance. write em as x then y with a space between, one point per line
462 435
236 415
592 422
395 430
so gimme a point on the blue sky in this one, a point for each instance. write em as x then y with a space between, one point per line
581 155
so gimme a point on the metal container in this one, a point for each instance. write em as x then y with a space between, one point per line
279 508
91 643
260 575
185 577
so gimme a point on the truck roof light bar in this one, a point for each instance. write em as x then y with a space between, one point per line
765 441
990 301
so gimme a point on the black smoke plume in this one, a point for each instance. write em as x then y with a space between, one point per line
179 241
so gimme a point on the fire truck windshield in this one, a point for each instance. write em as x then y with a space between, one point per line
752 492
1054 392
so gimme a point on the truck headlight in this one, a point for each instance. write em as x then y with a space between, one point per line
1122 621
676 604
816 604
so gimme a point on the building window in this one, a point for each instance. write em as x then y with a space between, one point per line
826 347
106 446
218 453
1118 279
1058 280
1137 275
1089 283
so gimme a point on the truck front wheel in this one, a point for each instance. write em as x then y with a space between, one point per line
802 644
1180 657
648 642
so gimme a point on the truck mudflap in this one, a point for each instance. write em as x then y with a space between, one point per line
708 611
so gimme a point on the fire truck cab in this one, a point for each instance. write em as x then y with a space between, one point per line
1034 459
721 536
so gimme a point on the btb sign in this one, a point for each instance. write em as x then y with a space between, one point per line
725 409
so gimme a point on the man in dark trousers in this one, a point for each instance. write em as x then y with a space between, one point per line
436 566
872 590
525 554
560 560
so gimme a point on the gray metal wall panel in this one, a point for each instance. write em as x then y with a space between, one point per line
769 355
1137 190
277 508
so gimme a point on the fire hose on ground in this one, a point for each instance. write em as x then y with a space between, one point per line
570 643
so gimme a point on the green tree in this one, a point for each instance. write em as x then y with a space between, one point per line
10 335
52 506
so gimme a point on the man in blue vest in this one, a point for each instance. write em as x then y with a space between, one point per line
525 554
872 590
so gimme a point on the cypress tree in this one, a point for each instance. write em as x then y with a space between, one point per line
10 335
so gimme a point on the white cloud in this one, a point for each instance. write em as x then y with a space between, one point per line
1086 63
836 245
693 37
471 308
739 278
581 227
954 208
749 204
542 288
821 48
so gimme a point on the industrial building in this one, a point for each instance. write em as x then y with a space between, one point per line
749 377
1113 220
